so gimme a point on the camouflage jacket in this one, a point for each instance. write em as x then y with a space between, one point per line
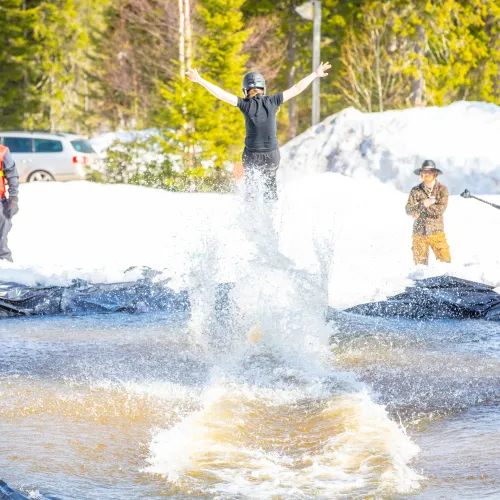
429 220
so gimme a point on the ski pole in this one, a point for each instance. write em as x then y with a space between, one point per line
467 194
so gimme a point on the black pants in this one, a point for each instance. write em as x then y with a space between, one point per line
5 226
260 170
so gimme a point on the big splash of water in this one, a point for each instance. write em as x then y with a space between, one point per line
275 418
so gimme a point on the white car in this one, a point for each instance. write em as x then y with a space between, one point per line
40 156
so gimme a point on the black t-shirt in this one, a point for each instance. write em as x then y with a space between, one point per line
260 121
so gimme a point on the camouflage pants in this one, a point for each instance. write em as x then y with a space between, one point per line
437 242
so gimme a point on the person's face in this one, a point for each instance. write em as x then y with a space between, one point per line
254 91
428 177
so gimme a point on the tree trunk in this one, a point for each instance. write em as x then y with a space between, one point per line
182 58
52 118
292 117
136 98
189 125
376 40
189 43
76 96
417 96
25 80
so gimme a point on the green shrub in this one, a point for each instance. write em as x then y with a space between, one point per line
146 163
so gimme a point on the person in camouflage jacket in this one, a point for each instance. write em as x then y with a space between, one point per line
426 204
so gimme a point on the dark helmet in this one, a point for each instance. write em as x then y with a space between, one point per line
253 80
428 166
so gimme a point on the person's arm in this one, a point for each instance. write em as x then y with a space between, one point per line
11 174
194 76
12 178
437 209
413 206
305 82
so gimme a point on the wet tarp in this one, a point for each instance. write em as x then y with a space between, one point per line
82 297
439 297
7 493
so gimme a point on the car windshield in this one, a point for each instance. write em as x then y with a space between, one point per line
82 146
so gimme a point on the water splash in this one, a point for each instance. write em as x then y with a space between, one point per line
275 417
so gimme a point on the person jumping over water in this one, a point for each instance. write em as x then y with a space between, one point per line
261 156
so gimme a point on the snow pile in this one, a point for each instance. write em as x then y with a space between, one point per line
103 141
461 138
97 232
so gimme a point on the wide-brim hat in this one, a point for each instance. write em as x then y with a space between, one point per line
428 167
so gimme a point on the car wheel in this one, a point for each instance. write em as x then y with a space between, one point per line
40 176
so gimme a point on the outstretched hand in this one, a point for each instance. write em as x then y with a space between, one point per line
322 69
193 75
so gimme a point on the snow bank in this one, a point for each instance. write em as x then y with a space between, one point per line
461 138
371 236
103 141
97 232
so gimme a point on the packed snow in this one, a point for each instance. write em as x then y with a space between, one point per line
98 232
107 233
461 138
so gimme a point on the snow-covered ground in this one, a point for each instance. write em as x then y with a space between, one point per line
98 232
461 138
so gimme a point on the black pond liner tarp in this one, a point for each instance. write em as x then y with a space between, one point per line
82 297
440 297
443 297
7 493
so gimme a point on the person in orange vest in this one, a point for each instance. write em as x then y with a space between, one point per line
9 178
261 156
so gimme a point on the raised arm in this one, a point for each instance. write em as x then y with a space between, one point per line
305 82
193 75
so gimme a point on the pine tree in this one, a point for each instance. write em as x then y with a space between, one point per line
133 51
199 126
489 68
375 60
55 36
278 37
18 98
459 40
484 31
82 108
290 57
429 52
